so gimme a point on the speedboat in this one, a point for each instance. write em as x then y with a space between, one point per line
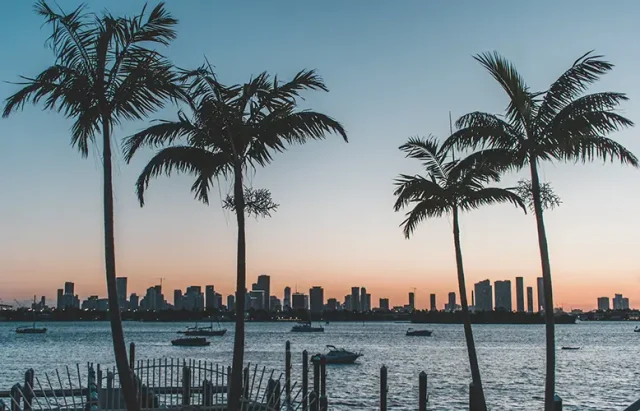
636 330
418 333
30 330
570 348
306 328
190 342
337 356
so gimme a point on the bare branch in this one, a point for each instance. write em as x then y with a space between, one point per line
548 197
258 202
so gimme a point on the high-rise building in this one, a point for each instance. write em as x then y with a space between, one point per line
363 299
384 304
121 290
412 301
193 299
503 295
287 298
332 304
529 299
540 282
210 297
231 302
520 294
355 299
134 302
433 306
316 295
603 304
473 300
264 284
298 301
275 304
43 302
368 302
347 302
177 300
451 304
484 296
60 300
68 288
257 299
620 302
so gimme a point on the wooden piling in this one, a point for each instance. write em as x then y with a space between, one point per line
27 389
16 396
557 403
186 385
324 402
109 395
228 382
316 378
475 404
305 380
245 384
207 393
287 374
132 356
313 401
273 394
383 388
423 397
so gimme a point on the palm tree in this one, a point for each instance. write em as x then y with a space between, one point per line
449 187
105 71
559 124
232 129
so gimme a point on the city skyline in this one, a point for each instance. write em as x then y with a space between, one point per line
52 232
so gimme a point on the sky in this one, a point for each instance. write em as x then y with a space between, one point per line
394 70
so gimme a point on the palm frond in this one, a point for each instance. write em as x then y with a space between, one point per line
521 108
160 134
429 152
479 129
423 209
588 147
304 80
202 163
584 71
474 199
416 188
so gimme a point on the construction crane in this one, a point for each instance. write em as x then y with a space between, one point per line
161 279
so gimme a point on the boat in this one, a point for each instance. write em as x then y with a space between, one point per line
337 356
418 333
33 329
570 348
306 328
636 330
203 331
190 342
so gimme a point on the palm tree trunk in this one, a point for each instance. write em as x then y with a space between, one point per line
468 333
117 334
238 343
549 389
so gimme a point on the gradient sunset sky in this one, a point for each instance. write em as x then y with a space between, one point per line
395 69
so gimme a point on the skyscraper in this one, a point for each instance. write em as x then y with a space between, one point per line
433 306
298 301
134 302
332 304
177 300
384 304
368 302
264 284
451 305
484 296
412 301
603 304
540 294
210 297
363 299
121 290
347 302
620 302
355 299
503 295
520 294
60 300
316 297
68 288
286 303
529 299
231 302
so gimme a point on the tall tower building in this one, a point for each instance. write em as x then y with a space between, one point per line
121 290
286 303
529 299
210 297
484 296
520 294
68 288
60 300
231 302
603 304
540 294
432 299
384 304
451 305
412 301
355 299
316 298
363 299
503 295
264 284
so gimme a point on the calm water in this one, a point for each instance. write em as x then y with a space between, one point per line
603 375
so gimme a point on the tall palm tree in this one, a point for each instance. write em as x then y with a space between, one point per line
562 124
232 129
106 70
449 187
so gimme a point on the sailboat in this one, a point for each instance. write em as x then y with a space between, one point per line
204 331
32 329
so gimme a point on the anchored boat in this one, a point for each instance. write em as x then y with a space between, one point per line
337 356
190 342
418 333
306 328
32 329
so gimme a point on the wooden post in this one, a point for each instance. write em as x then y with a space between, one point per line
287 374
15 398
474 399
228 381
557 403
186 385
423 397
324 402
245 384
305 380
109 395
316 378
207 393
132 356
273 394
383 388
313 401
27 389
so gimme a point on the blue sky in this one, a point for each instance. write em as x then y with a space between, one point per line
395 69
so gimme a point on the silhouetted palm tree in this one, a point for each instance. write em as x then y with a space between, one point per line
449 187
230 130
104 72
558 124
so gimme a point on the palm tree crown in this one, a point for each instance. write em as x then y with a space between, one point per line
231 127
449 183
